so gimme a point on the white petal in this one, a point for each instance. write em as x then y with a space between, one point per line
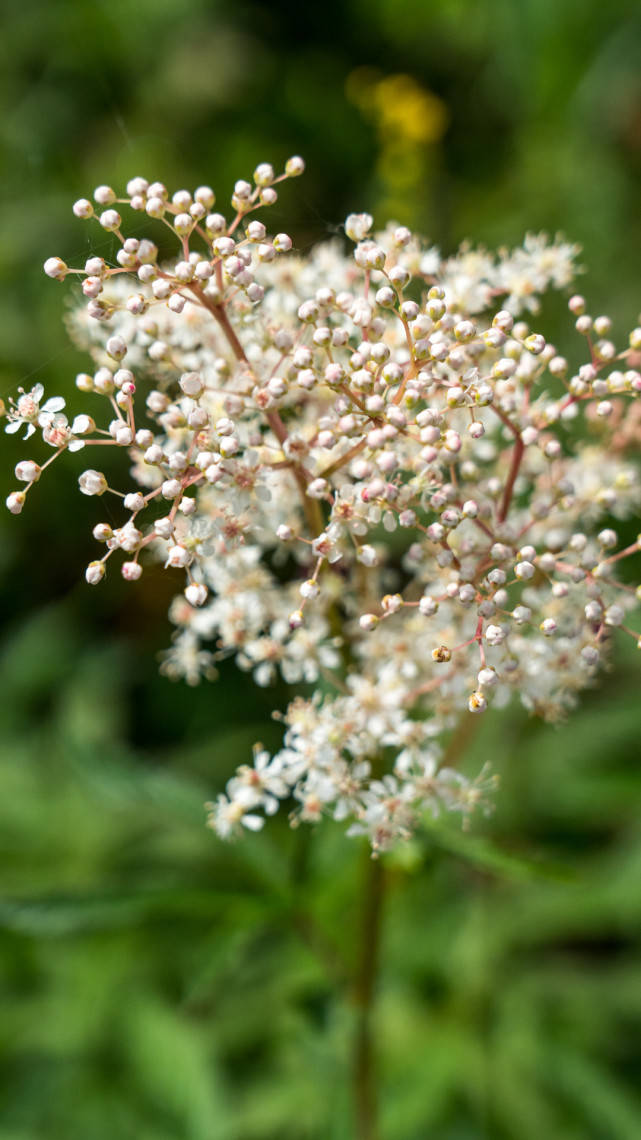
14 426
261 760
55 404
278 787
245 796
253 822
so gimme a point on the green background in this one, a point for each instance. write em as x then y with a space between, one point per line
155 984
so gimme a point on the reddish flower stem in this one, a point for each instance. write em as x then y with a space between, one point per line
517 456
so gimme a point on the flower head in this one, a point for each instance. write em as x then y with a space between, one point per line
363 467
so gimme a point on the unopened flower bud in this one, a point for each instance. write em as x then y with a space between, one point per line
494 634
178 556
441 654
15 502
282 243
487 677
134 501
183 224
317 488
477 703
256 231
524 570
593 611
452 441
309 589
171 488
83 208
196 594
228 446
464 331
116 347
607 538
110 220
55 267
358 225
191 384
392 603
368 622
27 471
92 482
614 615
503 320
95 572
535 343
294 166
131 571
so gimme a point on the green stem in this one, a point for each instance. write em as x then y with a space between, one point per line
364 1074
462 736
373 888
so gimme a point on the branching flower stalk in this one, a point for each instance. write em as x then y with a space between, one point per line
365 467
364 450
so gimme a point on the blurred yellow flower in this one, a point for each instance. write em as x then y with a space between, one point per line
399 105
409 120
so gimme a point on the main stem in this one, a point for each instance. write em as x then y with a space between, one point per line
364 1059
364 1069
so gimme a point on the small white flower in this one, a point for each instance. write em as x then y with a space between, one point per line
227 816
27 410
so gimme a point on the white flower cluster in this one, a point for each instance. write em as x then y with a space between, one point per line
331 765
368 471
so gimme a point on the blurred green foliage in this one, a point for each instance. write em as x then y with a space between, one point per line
156 984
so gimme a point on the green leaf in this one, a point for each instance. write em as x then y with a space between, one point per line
483 853
56 916
171 1061
603 1101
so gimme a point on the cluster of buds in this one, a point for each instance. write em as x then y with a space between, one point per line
362 467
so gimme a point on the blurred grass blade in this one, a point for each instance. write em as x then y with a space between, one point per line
488 856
